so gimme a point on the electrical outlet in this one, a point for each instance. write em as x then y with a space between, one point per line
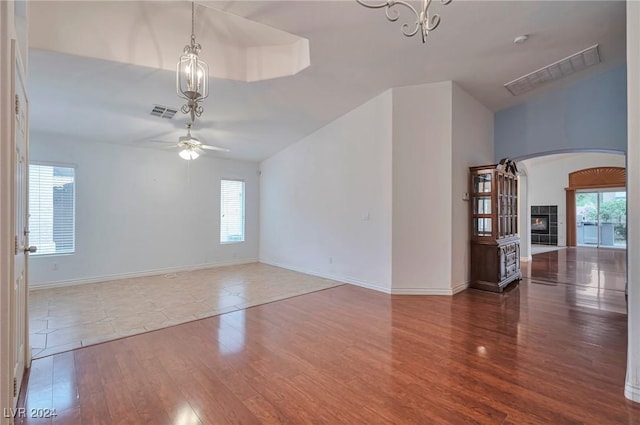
55 266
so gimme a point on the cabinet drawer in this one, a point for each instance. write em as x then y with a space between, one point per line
511 259
510 249
511 270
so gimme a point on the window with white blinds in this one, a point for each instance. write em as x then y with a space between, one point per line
52 208
231 211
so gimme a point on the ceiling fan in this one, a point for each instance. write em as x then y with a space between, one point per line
192 147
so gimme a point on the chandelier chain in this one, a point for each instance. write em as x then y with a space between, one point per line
193 20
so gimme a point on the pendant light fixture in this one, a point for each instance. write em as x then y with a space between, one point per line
424 21
192 75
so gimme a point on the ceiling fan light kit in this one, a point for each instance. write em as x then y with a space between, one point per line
192 75
191 147
189 154
424 22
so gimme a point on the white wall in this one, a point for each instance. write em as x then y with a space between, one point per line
524 213
375 198
326 200
632 387
472 145
439 131
422 198
141 210
548 176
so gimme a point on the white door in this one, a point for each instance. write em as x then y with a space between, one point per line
21 231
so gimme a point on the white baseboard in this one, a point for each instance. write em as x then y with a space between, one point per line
338 278
98 279
376 287
525 259
459 287
431 291
632 392
420 291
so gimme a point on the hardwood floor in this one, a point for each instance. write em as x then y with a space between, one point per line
536 354
591 277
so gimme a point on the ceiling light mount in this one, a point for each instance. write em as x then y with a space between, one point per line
192 75
424 22
521 39
190 145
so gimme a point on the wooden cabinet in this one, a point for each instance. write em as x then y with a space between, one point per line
495 244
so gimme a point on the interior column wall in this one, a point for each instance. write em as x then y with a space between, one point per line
422 169
632 387
472 145
524 215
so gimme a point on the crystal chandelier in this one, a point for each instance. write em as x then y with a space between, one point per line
192 75
424 21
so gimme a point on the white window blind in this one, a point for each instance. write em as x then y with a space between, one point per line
52 212
231 211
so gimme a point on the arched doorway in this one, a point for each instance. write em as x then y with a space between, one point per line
529 186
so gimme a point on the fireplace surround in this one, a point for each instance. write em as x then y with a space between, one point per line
544 225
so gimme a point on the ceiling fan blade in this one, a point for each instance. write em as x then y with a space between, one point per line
150 137
164 142
214 148
161 144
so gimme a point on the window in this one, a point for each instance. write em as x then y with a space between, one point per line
52 193
231 211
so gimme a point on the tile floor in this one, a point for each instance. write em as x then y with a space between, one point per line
63 319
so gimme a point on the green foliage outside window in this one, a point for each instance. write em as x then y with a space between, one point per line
610 211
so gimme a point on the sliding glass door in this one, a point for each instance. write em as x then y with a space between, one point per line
601 218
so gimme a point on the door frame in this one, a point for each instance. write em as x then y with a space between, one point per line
596 178
9 37
19 310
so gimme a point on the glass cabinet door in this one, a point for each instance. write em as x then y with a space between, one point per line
482 205
482 183
482 226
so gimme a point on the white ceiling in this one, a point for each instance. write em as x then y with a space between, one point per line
148 34
355 55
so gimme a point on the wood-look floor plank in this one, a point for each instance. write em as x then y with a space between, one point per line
94 409
149 408
65 387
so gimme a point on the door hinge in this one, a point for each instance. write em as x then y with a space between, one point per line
16 245
17 104
15 387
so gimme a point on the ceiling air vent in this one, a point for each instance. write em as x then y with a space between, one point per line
163 111
567 66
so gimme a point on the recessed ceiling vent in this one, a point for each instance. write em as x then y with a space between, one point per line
163 111
567 66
